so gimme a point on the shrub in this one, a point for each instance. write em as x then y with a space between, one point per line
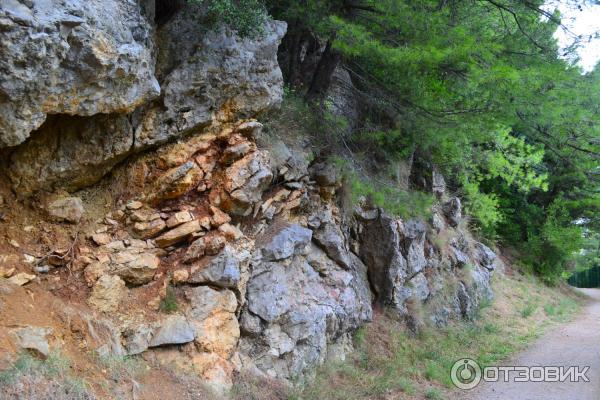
247 17
404 203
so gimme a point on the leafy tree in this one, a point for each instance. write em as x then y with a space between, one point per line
475 87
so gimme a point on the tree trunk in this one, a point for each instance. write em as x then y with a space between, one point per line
294 53
324 71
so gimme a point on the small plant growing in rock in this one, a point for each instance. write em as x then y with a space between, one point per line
169 303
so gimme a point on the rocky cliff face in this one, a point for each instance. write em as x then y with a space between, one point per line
71 57
82 61
224 246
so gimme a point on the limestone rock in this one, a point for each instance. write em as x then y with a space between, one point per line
268 294
21 278
225 270
235 152
231 232
245 180
101 238
107 293
178 234
216 371
413 240
179 218
250 324
6 272
174 329
175 182
68 209
380 251
214 243
485 256
294 313
139 270
458 257
325 174
332 241
180 276
33 338
438 183
213 316
94 271
134 205
144 215
69 58
419 287
285 242
70 152
437 220
218 217
195 251
137 339
149 229
222 76
466 303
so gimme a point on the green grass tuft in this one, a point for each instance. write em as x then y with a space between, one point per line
169 303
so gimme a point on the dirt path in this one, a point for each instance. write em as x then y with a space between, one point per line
576 343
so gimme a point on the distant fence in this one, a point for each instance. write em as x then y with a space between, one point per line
590 278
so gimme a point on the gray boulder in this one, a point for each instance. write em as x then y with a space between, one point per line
330 239
286 242
458 258
33 339
137 339
419 287
174 329
213 317
225 270
136 268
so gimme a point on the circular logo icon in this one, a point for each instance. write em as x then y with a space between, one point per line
465 374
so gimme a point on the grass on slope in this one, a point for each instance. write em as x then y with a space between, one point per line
390 363
34 379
